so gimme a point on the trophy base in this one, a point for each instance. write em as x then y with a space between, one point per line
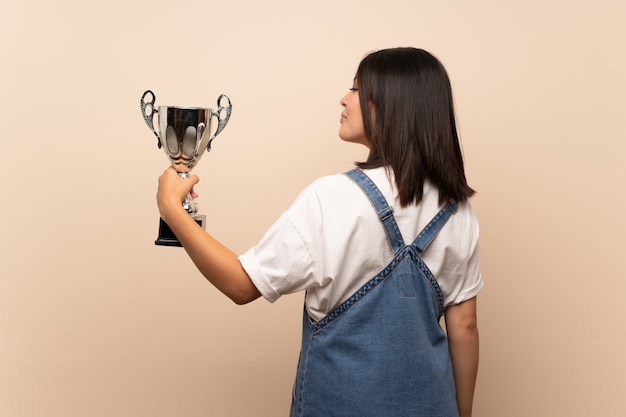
168 238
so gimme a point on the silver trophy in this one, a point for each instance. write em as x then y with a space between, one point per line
184 134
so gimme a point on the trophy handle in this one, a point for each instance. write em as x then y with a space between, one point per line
147 111
221 121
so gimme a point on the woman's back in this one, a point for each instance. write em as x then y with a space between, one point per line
336 243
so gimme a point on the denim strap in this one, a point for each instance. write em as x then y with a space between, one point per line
431 230
385 212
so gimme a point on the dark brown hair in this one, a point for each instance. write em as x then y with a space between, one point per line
408 117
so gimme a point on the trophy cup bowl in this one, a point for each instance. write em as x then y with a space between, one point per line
184 135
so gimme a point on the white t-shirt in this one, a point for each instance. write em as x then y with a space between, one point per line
330 242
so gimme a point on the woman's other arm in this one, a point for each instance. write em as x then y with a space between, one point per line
462 329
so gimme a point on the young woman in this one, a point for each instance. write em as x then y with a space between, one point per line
383 252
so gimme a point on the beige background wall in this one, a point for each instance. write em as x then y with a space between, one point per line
97 321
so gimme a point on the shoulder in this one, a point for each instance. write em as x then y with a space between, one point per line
327 192
465 220
328 184
332 207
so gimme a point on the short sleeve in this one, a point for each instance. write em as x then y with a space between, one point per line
280 263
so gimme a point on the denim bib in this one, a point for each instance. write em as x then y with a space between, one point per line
382 352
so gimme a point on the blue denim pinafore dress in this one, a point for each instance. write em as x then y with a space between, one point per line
382 353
